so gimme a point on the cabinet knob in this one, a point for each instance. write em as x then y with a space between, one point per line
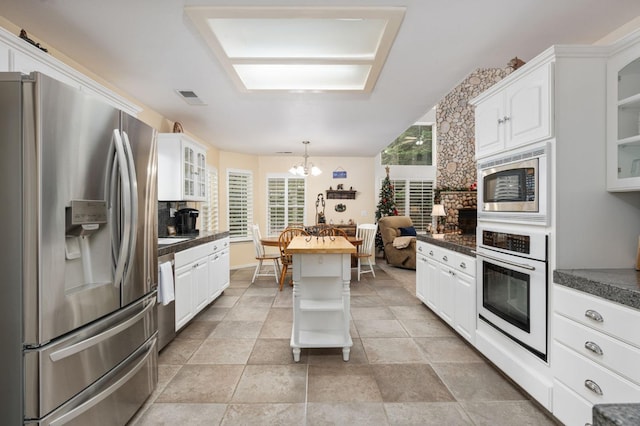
445 258
593 347
593 387
594 315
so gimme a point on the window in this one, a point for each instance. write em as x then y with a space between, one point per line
414 198
414 147
285 203
210 206
240 204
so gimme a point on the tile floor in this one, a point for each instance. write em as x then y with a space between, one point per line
233 366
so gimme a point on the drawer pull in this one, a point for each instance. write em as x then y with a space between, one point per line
594 315
593 387
445 258
593 347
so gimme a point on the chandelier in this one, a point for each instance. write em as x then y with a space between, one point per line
305 168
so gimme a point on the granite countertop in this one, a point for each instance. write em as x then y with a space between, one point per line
462 243
616 285
616 414
202 238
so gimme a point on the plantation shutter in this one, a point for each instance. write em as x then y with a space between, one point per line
240 194
420 203
414 198
276 215
400 195
295 200
285 203
209 209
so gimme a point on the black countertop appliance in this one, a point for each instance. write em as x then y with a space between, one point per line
186 221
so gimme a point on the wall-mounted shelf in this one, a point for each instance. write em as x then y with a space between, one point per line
333 194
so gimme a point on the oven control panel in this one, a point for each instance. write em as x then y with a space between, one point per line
506 241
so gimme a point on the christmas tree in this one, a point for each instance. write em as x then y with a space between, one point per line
386 206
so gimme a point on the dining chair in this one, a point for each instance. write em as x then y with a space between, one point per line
367 233
283 241
261 256
332 232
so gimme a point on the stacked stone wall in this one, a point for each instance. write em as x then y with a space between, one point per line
453 202
455 130
455 126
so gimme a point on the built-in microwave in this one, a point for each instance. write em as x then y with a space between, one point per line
514 187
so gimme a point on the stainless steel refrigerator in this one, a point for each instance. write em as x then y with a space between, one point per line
79 274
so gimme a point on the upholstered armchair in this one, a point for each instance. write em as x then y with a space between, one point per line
399 244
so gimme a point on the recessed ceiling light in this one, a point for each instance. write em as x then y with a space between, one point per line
300 49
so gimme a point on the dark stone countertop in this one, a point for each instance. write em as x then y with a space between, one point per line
465 243
616 414
202 238
616 285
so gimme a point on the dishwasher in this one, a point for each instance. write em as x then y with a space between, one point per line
166 313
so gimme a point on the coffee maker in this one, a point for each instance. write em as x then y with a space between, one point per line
186 221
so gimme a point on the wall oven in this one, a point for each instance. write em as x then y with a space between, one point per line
512 284
514 187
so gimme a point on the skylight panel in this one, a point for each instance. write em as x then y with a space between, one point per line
297 49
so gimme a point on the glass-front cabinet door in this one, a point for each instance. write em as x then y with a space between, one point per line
623 120
182 166
188 175
194 163
201 186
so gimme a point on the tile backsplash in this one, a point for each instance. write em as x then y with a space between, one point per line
164 215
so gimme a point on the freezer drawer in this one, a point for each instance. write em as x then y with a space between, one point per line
56 372
116 397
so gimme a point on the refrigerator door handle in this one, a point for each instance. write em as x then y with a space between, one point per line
98 338
132 217
122 165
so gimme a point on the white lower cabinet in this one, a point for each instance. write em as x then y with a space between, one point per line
595 354
218 269
445 282
184 289
202 274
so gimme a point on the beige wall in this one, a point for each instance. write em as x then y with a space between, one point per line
360 176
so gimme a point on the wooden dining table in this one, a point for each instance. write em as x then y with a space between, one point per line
273 242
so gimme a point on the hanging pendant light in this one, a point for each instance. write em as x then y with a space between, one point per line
305 168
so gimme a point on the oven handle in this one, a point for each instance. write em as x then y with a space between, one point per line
496 259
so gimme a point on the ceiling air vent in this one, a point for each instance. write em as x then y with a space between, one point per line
190 97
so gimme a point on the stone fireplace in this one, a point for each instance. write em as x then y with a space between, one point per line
461 208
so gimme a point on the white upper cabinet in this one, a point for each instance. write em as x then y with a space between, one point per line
518 113
623 117
181 168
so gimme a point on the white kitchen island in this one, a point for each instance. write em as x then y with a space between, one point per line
321 293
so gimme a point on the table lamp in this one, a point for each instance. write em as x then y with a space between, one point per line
438 212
